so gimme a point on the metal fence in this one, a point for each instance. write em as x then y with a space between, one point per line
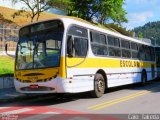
8 36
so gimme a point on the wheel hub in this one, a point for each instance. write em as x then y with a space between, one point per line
100 85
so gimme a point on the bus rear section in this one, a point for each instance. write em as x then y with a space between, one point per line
157 51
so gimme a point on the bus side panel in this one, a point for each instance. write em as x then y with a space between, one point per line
122 76
81 79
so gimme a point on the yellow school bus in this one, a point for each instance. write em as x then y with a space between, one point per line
64 55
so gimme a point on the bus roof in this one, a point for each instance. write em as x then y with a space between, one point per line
85 24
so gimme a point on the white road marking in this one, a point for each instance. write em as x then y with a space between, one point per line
17 111
4 108
41 116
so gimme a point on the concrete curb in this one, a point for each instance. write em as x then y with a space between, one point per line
25 98
9 94
18 98
13 99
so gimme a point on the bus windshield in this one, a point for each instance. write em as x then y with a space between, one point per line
39 45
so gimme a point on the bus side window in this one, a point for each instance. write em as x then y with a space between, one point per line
141 52
113 46
80 47
76 46
134 50
98 43
152 50
126 51
77 42
148 53
70 46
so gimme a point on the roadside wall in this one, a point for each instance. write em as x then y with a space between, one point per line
9 53
6 82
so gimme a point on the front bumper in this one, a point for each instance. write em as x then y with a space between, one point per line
56 85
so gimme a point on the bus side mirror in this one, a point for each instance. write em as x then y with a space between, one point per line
70 46
6 48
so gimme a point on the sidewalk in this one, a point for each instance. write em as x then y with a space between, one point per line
12 53
8 94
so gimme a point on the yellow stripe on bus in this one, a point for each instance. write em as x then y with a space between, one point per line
106 63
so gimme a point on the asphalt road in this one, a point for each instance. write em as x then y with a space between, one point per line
121 100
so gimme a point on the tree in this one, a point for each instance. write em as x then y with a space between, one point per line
61 4
119 29
94 10
110 10
140 34
36 7
113 10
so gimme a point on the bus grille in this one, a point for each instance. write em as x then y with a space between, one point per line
40 88
34 81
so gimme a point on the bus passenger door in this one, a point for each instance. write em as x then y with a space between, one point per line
152 70
76 49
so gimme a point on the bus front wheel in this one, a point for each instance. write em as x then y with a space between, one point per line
99 86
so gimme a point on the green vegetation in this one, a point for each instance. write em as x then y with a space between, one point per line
22 20
150 30
6 65
94 10
140 34
119 29
91 10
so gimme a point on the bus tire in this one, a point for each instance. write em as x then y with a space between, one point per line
99 86
143 78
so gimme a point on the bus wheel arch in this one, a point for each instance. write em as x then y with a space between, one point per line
100 84
143 77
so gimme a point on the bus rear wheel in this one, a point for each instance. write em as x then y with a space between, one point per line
99 86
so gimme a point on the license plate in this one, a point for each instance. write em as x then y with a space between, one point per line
34 86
